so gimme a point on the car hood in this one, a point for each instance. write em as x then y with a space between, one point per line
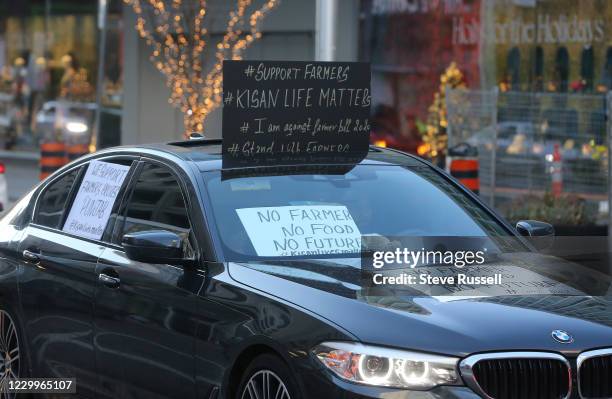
450 324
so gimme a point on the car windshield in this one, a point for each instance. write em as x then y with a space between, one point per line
266 215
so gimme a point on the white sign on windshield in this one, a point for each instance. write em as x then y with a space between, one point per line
94 201
301 230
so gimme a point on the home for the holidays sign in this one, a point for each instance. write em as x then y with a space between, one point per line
93 203
295 112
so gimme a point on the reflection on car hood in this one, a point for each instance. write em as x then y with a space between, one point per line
450 324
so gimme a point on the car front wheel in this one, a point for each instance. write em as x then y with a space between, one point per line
10 356
267 377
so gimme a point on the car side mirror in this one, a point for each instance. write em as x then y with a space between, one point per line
542 235
154 246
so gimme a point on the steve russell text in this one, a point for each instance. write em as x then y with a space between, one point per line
427 279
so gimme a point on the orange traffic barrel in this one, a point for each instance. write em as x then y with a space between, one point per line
466 171
52 157
75 151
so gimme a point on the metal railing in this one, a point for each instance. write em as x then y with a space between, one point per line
526 141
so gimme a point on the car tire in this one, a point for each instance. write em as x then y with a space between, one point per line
12 347
268 368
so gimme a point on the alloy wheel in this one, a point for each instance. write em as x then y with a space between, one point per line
9 354
265 384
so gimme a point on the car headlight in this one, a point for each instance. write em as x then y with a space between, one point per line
76 127
386 367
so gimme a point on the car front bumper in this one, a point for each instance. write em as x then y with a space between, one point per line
325 386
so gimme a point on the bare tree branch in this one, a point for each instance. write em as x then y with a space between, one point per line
177 34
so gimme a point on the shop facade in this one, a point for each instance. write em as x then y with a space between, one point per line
49 64
49 52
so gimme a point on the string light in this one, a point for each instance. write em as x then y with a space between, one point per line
434 134
178 37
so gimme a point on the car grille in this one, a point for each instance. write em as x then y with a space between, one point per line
518 375
522 378
596 377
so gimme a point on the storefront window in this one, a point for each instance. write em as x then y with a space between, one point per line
562 68
607 70
587 67
514 67
410 44
538 69
49 66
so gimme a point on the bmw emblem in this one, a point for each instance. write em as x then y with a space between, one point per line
562 337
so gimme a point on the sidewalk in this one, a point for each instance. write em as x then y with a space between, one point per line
21 171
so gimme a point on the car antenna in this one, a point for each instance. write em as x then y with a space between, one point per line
196 136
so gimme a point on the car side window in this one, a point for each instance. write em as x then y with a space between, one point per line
53 200
157 203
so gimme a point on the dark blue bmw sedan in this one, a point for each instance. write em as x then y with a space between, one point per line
153 272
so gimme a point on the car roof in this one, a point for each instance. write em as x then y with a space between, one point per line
206 154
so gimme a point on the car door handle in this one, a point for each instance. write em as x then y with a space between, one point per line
31 256
111 282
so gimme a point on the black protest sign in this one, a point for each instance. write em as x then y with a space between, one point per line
277 113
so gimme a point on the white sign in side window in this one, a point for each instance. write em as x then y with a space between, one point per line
301 230
93 203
